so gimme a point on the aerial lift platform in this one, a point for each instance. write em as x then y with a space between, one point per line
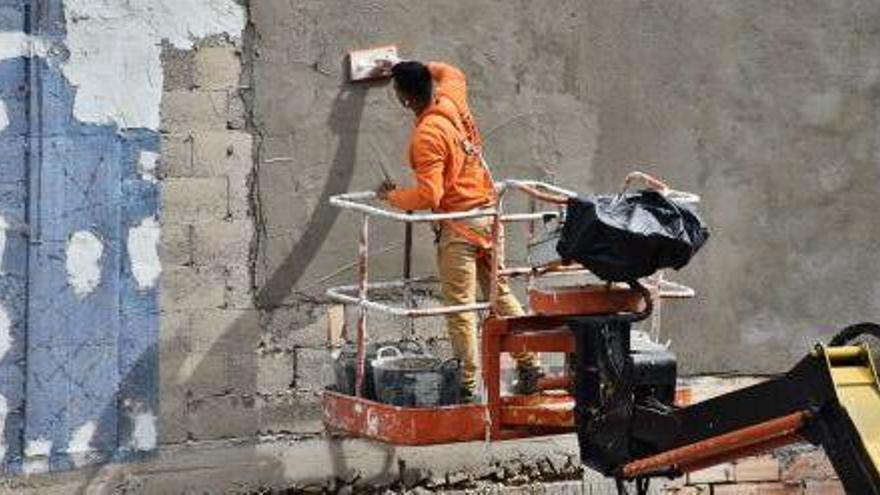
631 425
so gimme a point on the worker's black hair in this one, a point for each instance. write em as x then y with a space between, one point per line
413 79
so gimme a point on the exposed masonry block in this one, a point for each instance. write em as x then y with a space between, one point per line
828 487
239 287
176 246
716 474
772 488
218 371
185 110
179 67
758 468
217 67
185 287
172 414
222 153
177 151
275 372
230 330
812 465
230 416
288 327
291 412
193 200
236 111
314 369
222 243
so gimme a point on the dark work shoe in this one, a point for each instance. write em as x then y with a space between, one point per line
527 380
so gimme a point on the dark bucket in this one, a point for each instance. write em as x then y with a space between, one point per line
415 381
345 366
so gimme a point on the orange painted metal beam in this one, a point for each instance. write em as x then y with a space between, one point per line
719 447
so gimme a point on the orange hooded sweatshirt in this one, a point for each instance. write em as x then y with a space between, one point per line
448 178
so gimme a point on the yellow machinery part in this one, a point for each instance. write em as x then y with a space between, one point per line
858 390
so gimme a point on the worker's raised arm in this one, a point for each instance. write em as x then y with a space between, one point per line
443 73
428 156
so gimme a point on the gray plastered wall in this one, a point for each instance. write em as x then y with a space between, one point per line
766 109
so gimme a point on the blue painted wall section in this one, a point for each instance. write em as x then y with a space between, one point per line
74 360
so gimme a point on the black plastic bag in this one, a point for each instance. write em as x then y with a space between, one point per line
626 237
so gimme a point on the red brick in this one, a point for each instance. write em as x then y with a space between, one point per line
757 489
813 465
828 487
715 474
758 468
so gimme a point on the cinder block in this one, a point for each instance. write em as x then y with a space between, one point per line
236 111
230 416
231 330
185 287
222 153
827 487
178 66
758 468
239 287
721 473
222 243
288 327
275 372
810 465
314 369
176 246
772 488
177 154
217 67
172 414
194 200
291 412
219 371
183 111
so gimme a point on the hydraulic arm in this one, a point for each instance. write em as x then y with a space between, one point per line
629 428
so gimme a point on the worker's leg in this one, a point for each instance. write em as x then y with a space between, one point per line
456 261
508 305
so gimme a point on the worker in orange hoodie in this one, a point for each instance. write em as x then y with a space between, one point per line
450 176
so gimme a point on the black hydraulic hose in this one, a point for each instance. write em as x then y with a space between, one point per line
853 332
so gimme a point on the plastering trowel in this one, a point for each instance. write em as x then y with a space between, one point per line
364 64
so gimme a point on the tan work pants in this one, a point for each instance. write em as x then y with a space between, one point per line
461 266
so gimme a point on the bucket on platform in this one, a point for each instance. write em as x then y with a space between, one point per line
345 366
415 381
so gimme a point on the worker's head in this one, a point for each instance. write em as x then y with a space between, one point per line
413 85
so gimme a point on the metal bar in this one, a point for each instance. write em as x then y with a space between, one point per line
758 448
407 274
363 267
715 446
497 256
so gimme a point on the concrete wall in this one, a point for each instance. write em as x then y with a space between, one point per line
165 237
767 109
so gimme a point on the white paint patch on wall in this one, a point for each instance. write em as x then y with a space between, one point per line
115 46
4 118
5 334
81 438
147 164
18 44
37 456
143 437
84 251
143 250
